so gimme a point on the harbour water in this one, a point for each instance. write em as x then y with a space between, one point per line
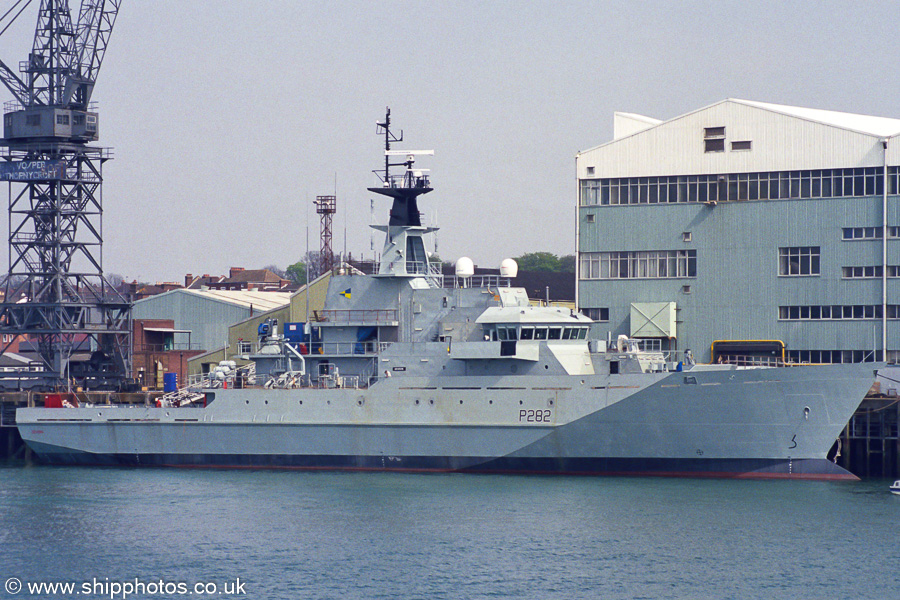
271 534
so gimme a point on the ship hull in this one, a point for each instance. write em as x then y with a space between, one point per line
763 423
814 469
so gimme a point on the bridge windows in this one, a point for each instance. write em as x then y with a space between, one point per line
510 332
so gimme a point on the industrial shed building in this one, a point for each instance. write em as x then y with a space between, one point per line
207 314
745 224
242 334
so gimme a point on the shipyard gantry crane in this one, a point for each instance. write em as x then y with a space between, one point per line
56 293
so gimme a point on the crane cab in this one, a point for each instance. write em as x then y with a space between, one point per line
50 122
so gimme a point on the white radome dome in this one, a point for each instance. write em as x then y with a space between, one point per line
465 267
509 268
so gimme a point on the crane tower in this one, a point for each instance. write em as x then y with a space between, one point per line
56 292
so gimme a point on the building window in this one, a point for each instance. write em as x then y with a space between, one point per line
893 271
62 119
590 192
589 218
715 145
742 145
590 170
714 139
33 119
77 119
834 356
852 312
868 233
685 289
732 187
596 314
245 347
653 264
798 261
650 345
686 236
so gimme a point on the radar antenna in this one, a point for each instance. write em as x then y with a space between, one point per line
404 252
406 188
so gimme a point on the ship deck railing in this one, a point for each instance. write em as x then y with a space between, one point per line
374 316
167 347
477 281
431 271
369 348
754 361
409 180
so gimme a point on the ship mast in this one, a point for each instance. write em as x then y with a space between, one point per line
404 250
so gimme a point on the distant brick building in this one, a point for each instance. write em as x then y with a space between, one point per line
160 348
10 342
262 280
138 291
200 282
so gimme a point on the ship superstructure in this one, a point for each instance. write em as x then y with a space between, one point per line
407 370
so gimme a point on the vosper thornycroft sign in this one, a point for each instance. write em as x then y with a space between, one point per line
32 170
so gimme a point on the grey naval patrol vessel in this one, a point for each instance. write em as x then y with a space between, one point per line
406 371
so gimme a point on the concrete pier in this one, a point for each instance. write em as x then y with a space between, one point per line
870 444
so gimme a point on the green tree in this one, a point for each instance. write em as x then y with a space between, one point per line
567 263
538 261
296 272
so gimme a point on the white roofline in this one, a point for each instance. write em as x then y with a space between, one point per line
651 127
797 113
782 109
216 296
637 117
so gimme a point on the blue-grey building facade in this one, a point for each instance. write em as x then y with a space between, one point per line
745 222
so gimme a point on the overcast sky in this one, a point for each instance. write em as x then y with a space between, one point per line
228 118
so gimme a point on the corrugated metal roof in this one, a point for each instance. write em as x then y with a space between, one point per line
11 358
881 126
246 298
783 139
243 298
252 276
865 124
